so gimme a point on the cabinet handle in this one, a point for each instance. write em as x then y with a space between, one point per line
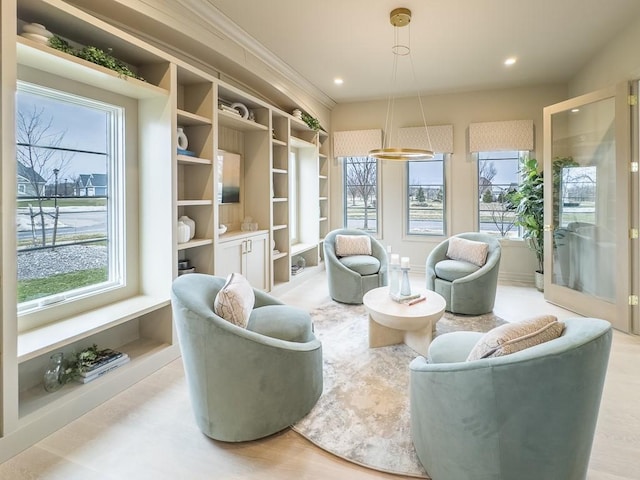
250 243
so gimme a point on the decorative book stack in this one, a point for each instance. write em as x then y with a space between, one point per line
106 361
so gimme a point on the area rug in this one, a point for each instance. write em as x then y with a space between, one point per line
363 413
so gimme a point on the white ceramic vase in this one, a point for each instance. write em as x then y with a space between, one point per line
183 141
189 223
183 232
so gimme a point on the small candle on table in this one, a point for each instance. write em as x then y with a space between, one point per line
404 262
395 259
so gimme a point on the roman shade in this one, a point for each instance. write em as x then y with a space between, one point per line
495 136
356 143
441 137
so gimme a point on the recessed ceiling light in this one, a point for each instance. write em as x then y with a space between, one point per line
338 81
510 61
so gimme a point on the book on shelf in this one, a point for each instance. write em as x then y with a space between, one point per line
104 369
296 269
103 357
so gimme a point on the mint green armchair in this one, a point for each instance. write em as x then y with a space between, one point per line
529 415
248 383
352 276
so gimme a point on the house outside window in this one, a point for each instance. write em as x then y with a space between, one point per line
498 180
69 243
426 197
361 193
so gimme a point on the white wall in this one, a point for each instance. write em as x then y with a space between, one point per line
617 61
460 109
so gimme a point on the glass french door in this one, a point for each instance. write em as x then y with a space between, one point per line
587 176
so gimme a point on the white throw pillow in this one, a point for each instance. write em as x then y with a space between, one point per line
468 251
235 300
353 245
516 336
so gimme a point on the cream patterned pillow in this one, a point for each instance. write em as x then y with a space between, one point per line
353 245
235 300
468 251
516 336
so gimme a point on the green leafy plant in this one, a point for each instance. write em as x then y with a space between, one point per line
530 208
312 122
94 55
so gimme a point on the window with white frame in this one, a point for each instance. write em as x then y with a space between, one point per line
498 181
426 197
361 193
70 203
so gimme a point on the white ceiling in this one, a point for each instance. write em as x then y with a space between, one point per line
456 44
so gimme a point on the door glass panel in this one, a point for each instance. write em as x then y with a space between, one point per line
584 199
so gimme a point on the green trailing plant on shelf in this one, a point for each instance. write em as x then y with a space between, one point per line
312 122
94 55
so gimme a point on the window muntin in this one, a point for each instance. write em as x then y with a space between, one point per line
361 193
426 197
498 179
70 158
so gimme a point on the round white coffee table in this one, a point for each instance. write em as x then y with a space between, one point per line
391 322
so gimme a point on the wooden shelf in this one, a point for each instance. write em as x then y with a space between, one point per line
322 177
190 119
236 122
322 219
296 142
187 160
51 337
279 170
322 155
299 248
279 199
195 242
322 198
279 143
194 203
277 256
278 227
47 59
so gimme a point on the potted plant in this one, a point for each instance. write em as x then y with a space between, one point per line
530 212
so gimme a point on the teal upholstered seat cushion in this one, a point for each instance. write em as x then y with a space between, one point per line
281 321
363 264
454 269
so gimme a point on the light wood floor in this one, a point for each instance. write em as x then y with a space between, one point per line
148 432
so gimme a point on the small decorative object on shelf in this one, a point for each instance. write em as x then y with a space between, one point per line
297 113
183 232
184 267
222 229
92 363
301 262
54 375
37 33
248 225
183 141
312 122
189 223
242 109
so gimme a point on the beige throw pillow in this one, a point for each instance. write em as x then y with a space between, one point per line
468 251
235 300
516 336
353 245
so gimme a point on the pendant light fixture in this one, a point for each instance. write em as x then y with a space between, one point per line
399 18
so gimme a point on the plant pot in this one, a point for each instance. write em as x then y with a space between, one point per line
539 281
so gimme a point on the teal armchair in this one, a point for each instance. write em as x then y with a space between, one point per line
467 289
352 276
248 383
529 415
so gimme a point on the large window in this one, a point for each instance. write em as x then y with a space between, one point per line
70 196
361 193
498 180
426 202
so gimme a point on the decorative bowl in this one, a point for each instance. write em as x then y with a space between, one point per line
222 229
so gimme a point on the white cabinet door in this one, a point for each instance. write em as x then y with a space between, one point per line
246 255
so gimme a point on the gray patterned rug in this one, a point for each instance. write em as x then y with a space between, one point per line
363 413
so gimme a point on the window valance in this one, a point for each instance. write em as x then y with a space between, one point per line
356 143
495 136
441 137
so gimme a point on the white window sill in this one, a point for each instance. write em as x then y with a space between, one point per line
42 340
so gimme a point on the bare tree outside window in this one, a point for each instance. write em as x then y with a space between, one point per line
361 174
40 161
498 180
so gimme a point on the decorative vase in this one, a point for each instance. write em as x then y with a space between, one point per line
189 223
53 375
405 287
183 141
183 232
394 274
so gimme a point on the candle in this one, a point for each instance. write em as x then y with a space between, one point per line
389 249
395 259
404 262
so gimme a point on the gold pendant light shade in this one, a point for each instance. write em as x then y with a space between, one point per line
400 17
